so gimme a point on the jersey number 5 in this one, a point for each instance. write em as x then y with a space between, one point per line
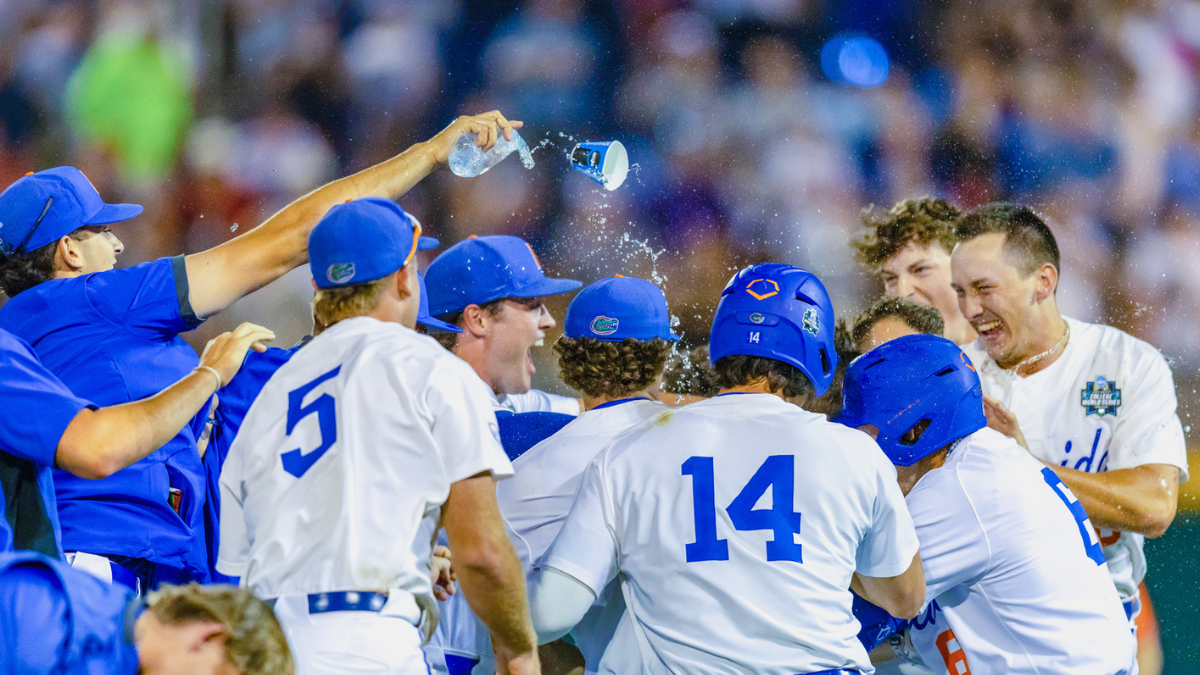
295 462
1090 543
777 473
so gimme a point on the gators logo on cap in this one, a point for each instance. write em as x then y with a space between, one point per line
765 288
757 318
340 272
811 321
602 325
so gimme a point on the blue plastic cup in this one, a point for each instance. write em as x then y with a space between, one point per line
606 163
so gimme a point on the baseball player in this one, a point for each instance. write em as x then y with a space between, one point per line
1016 579
737 525
237 397
492 287
352 454
616 337
112 335
889 318
55 619
1094 403
909 248
43 425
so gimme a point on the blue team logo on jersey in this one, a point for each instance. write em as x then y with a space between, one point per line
811 321
340 272
1100 397
602 325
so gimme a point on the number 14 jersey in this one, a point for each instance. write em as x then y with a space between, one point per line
736 524
338 474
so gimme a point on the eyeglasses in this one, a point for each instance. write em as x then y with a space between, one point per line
20 248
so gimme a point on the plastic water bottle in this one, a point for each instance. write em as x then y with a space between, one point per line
468 160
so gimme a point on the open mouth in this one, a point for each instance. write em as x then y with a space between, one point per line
990 331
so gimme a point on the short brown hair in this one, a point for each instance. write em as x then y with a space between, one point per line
925 320
20 273
331 305
611 369
690 374
448 339
926 221
782 378
1027 238
254 641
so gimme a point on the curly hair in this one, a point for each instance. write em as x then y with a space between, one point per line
254 641
611 369
830 403
925 221
782 378
690 374
22 272
925 320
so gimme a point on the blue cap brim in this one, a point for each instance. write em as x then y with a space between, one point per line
114 213
438 325
546 287
426 243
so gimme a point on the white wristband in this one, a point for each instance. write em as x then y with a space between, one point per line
215 374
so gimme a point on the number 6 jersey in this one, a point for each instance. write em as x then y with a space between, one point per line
338 474
1016 580
736 524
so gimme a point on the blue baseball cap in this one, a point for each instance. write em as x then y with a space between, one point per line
42 207
426 319
478 270
619 307
363 240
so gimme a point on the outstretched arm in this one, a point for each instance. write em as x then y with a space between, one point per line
221 275
98 443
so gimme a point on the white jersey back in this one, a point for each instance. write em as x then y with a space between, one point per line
1107 403
737 524
536 400
535 503
340 469
1016 579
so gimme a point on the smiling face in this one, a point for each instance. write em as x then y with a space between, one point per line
511 336
1000 304
920 274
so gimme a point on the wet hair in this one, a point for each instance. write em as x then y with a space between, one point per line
611 369
22 272
331 305
782 378
926 221
925 320
449 340
254 641
1027 238
830 403
690 374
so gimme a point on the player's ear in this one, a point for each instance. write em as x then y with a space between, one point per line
1046 278
474 321
68 255
405 281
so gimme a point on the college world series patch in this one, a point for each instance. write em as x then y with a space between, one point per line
1100 397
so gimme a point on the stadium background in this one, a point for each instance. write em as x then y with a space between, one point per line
752 135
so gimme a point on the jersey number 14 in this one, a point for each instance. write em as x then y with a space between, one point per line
778 472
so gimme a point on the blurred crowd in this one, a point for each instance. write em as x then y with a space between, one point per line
214 114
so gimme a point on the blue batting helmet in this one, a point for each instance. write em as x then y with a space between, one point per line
779 312
914 380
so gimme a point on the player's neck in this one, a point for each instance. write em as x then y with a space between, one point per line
590 402
759 386
1048 345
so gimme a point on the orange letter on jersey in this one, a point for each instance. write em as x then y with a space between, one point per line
952 654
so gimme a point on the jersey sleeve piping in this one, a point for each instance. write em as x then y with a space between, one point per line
183 292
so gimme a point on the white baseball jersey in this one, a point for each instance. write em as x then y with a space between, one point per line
1016 580
339 472
737 524
1108 402
536 400
534 503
